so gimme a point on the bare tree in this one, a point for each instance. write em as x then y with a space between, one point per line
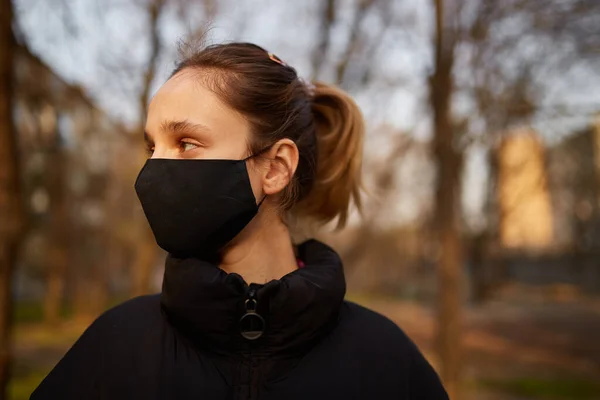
59 233
511 68
354 41
146 249
504 57
447 198
11 213
326 20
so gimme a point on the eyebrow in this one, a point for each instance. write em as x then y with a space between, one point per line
183 127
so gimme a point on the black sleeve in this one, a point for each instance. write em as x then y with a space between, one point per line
424 383
77 375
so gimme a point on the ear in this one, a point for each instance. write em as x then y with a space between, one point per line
283 161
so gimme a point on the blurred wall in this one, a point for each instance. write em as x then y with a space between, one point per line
526 220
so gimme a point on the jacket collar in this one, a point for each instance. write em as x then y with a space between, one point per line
207 303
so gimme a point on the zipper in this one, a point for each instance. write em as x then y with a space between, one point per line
252 326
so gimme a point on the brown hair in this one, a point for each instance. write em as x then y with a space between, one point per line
324 122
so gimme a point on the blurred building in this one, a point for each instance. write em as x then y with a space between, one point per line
526 220
64 142
574 170
548 200
53 116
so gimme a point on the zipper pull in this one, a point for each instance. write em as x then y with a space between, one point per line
252 324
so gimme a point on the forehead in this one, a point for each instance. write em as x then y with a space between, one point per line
185 98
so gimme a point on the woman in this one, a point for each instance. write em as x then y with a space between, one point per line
239 144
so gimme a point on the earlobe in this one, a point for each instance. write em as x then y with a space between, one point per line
283 161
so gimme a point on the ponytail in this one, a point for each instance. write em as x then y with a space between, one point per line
340 134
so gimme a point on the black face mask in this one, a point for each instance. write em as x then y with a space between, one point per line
196 207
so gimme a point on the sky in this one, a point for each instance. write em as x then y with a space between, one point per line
101 44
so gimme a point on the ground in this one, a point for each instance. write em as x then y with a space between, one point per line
516 351
518 348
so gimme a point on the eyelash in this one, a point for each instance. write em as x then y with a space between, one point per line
182 144
149 149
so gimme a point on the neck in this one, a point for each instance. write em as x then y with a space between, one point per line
264 252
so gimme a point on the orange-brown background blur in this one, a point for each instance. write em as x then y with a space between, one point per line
481 230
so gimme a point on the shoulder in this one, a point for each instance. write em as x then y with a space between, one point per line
138 309
381 343
147 305
137 314
373 328
98 353
115 329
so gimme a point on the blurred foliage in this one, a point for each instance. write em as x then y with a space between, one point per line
21 387
33 311
547 389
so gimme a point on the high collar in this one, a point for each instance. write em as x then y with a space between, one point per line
207 303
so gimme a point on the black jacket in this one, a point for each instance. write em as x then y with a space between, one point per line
194 341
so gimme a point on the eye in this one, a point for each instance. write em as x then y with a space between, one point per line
149 149
186 146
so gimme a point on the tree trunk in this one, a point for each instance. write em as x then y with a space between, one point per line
145 258
447 203
55 285
146 250
11 213
326 20
59 228
83 278
99 287
91 286
478 258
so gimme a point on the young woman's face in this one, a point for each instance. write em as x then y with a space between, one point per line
188 121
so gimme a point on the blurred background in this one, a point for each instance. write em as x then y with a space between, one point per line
481 230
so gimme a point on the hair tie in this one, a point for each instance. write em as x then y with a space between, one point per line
273 57
310 87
